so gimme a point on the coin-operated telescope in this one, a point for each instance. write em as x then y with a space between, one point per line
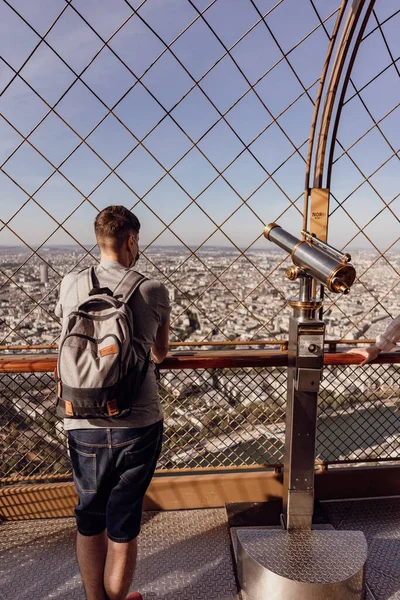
288 564
312 259
311 256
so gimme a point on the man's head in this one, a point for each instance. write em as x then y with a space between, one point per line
117 234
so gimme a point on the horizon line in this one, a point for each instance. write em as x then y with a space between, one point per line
231 248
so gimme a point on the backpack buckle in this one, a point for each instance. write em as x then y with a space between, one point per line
69 409
112 408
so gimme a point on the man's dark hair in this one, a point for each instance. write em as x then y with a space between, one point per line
114 224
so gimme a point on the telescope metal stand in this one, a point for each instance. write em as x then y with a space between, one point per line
298 562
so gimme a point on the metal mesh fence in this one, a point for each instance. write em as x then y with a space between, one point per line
364 213
32 437
196 112
218 418
88 116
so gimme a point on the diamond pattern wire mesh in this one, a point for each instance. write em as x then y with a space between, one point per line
39 107
143 160
364 188
198 125
32 437
217 418
223 417
358 414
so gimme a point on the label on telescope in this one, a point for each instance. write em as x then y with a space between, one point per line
319 212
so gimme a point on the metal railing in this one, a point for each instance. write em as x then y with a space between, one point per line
223 410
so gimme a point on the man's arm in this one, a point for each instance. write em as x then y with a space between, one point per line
160 347
384 342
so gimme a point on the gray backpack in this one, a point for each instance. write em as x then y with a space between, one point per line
98 371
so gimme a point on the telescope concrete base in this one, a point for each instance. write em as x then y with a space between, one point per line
274 564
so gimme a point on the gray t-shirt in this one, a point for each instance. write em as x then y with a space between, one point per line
150 308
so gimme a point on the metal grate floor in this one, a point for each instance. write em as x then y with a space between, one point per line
380 521
183 555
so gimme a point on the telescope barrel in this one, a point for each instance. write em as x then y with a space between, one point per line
280 237
336 254
326 268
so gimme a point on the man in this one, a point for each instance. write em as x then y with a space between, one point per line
385 342
114 459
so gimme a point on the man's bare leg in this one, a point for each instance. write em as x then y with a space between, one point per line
91 552
119 568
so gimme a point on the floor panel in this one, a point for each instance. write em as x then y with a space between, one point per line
380 521
183 555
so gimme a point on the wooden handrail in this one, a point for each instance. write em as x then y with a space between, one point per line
220 344
197 359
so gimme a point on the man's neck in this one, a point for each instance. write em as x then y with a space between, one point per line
114 256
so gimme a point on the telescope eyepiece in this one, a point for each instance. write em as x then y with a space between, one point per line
340 287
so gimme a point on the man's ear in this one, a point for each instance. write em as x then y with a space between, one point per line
130 242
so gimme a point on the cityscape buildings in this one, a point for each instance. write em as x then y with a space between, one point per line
216 294
213 417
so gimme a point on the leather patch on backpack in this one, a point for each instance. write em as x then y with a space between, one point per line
69 410
109 350
112 408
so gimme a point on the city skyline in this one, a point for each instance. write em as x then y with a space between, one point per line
215 295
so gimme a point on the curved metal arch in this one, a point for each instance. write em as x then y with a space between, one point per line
353 31
317 106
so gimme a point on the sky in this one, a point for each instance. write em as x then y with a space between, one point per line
236 158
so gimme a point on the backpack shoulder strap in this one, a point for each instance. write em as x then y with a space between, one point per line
128 285
85 282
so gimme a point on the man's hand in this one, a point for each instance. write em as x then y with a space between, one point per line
368 352
156 360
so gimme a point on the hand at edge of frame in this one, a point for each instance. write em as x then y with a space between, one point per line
369 353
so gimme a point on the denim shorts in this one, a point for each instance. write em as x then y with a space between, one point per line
112 470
